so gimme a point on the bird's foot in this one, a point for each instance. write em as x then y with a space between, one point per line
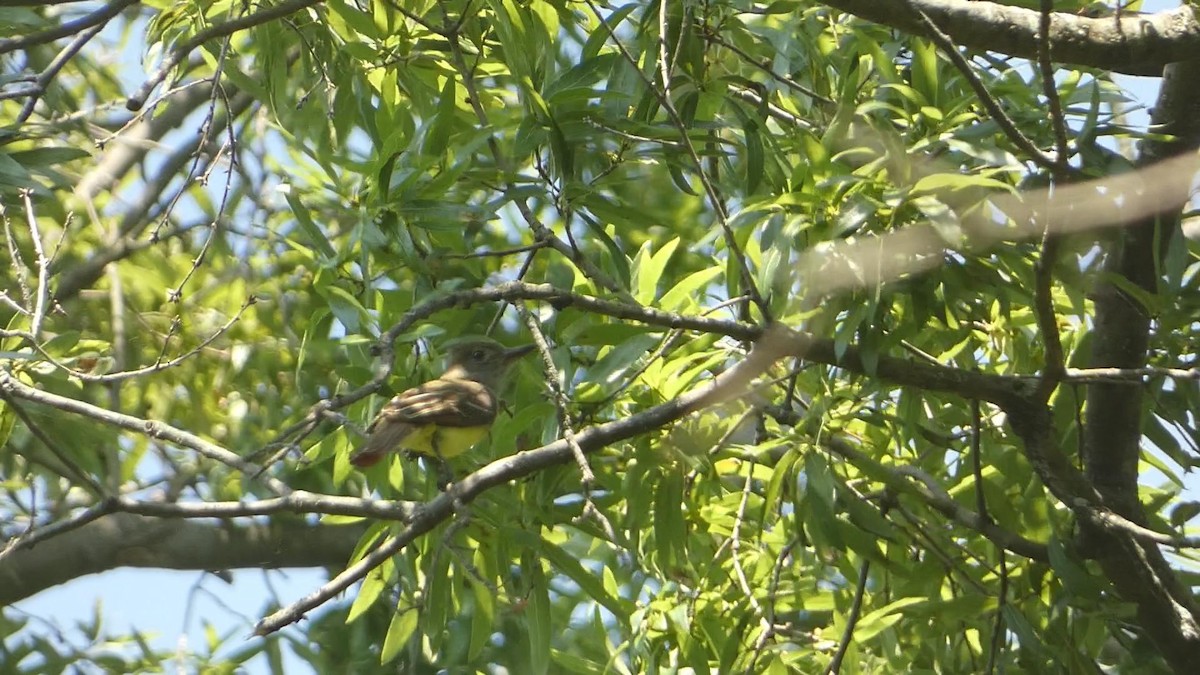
445 482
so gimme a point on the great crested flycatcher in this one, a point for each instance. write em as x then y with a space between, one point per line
443 418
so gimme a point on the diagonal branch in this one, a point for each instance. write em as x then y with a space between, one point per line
732 383
97 18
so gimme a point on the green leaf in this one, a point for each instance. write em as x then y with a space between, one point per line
870 624
403 624
372 587
14 175
483 613
40 158
755 155
669 528
570 566
316 237
925 71
648 269
938 182
537 616
355 18
686 294
437 139
348 310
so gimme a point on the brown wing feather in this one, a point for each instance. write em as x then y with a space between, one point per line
444 402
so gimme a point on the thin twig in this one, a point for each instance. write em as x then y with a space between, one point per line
715 199
1050 90
554 382
499 253
835 664
176 294
159 364
772 592
1043 289
58 528
735 547
18 263
77 474
12 304
981 507
765 66
43 268
977 463
151 428
936 497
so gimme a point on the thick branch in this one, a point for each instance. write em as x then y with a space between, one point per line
127 540
298 502
1112 437
1134 44
1166 611
998 389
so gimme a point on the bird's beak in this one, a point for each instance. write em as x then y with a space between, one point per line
514 353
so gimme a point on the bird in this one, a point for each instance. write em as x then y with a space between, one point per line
447 416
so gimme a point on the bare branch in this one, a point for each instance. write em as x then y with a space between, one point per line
860 588
42 291
97 18
1128 375
128 540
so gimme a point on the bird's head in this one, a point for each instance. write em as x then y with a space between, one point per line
482 360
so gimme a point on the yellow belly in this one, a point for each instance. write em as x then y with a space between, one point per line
447 441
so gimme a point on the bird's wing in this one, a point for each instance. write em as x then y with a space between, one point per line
441 402
444 402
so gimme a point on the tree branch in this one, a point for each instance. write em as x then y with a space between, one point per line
1132 43
129 540
96 18
730 384
1138 571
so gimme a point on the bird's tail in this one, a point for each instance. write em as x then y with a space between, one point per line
385 437
367 457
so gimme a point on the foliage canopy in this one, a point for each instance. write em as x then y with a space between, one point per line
839 372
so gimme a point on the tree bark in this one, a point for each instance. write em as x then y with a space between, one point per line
128 540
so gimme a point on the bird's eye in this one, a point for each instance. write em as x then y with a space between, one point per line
478 355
